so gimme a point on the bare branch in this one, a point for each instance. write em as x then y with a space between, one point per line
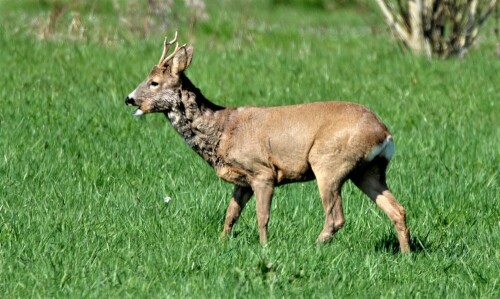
398 29
487 13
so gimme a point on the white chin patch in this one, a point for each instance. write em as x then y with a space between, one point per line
138 112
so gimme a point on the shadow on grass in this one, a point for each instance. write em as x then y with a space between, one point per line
390 244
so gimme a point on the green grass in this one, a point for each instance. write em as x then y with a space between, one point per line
82 182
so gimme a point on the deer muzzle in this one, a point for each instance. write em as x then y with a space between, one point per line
130 101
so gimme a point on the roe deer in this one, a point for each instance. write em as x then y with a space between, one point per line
257 149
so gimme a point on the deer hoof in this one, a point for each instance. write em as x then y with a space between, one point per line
324 238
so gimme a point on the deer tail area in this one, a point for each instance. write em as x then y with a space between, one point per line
385 149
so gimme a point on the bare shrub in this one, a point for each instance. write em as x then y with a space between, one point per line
437 27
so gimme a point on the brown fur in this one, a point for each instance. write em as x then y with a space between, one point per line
257 149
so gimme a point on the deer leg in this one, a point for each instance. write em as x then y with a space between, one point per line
373 184
332 205
263 196
330 177
338 214
241 195
386 201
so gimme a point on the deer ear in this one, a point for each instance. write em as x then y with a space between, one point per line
182 60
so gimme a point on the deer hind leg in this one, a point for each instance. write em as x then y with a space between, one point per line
241 195
372 182
334 217
330 191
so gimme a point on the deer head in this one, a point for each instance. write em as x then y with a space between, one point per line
161 89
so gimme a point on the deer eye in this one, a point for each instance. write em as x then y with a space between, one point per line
153 84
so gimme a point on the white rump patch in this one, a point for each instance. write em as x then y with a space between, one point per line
385 149
138 112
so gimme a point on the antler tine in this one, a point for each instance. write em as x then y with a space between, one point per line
177 48
166 46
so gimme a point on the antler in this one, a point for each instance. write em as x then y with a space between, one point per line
177 48
165 49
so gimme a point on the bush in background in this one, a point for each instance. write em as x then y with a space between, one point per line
75 19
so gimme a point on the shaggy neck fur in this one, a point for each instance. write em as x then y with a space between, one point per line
195 119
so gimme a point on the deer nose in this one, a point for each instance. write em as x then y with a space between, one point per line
130 101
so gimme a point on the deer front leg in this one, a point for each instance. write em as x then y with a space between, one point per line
263 195
241 195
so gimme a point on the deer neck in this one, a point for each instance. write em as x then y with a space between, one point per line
197 120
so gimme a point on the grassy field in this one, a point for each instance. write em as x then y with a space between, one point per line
82 182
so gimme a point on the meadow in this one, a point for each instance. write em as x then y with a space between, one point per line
82 182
